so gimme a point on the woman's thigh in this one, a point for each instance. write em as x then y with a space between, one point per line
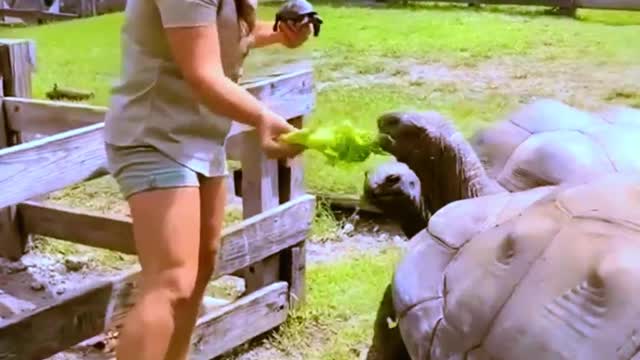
164 200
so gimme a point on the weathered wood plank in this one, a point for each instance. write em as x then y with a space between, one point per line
50 117
44 165
47 330
79 226
293 271
52 329
289 95
291 172
259 178
115 232
234 324
260 193
12 243
292 260
17 63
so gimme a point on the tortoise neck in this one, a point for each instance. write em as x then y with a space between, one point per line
449 170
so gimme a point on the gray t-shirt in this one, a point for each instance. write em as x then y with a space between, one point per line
152 104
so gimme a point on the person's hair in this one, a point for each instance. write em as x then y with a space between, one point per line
246 15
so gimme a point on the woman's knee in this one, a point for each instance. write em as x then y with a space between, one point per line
177 285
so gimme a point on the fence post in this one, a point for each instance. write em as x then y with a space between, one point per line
293 260
259 193
17 61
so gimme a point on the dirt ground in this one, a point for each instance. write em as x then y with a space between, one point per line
585 85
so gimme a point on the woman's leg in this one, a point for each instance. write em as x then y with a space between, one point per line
166 227
212 203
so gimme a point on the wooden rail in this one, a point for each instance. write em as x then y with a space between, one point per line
267 248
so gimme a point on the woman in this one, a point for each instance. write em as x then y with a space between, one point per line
165 133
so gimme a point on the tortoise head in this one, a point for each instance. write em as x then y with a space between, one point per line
395 189
444 161
401 132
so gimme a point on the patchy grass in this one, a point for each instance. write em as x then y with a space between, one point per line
455 36
342 300
472 64
441 33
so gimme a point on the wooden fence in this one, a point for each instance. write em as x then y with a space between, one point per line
267 247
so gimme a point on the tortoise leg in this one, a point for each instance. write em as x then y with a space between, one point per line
387 343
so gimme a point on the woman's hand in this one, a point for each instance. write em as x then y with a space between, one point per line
269 129
293 35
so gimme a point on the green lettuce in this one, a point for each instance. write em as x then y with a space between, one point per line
342 143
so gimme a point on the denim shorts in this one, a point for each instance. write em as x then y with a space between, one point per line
143 168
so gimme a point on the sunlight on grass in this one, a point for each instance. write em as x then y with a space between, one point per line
69 53
358 44
342 300
359 41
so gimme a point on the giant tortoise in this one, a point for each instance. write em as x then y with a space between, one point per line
545 142
549 196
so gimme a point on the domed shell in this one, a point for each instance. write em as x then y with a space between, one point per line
548 142
549 273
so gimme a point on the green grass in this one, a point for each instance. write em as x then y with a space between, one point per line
342 299
495 58
360 41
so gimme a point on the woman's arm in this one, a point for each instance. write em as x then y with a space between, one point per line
264 35
198 57
288 35
192 32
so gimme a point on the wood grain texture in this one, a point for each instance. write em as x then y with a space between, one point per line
12 243
234 324
259 178
293 259
292 96
40 334
50 117
89 312
259 193
291 171
17 63
49 164
78 154
289 95
78 226
249 241
293 271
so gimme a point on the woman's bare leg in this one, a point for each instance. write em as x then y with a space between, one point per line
212 203
166 227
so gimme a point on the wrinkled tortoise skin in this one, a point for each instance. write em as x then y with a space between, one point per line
548 273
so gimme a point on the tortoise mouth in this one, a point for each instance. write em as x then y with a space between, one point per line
386 195
386 141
